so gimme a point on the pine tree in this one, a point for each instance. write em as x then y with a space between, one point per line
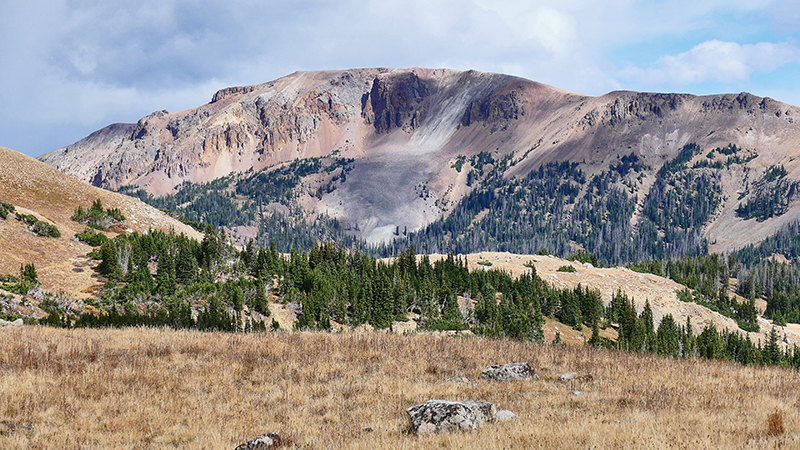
595 339
109 264
28 275
185 265
772 349
235 296
261 303
165 274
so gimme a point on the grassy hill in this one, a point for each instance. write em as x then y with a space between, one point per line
37 189
155 388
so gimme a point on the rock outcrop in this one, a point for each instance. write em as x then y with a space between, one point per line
440 416
508 372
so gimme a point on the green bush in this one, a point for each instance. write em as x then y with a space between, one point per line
6 208
96 217
566 268
38 227
90 237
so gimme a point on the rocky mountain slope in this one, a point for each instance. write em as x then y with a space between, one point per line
64 267
409 142
36 189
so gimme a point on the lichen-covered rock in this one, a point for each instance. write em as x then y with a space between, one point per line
262 442
508 372
441 416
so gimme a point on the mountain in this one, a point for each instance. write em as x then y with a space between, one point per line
455 161
36 189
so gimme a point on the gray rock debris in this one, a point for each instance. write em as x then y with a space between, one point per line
508 372
442 416
262 442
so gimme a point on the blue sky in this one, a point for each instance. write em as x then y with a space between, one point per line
69 67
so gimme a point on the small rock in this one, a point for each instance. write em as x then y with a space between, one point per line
368 430
577 393
505 415
508 372
461 380
437 416
262 442
574 376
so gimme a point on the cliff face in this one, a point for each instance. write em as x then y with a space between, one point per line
405 128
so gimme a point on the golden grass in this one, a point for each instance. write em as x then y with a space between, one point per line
153 388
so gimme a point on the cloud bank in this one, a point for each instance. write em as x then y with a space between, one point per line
73 66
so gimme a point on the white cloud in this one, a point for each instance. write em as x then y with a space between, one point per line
716 61
81 64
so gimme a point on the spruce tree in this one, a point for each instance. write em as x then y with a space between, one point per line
165 274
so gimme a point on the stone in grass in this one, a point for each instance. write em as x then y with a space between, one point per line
442 416
574 376
262 442
461 380
505 415
508 372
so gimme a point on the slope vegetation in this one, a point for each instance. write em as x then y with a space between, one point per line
37 189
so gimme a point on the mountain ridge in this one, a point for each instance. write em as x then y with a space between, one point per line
407 129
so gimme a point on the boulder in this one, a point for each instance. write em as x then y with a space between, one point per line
508 372
441 416
262 442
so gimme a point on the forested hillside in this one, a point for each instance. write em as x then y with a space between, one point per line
618 214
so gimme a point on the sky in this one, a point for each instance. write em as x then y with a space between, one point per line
70 67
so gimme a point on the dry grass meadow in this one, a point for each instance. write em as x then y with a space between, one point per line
154 388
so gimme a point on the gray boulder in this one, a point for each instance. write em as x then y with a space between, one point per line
442 416
262 442
508 372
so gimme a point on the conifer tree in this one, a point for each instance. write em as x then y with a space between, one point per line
109 264
165 274
28 275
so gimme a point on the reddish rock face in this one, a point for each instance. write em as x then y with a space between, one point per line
406 128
